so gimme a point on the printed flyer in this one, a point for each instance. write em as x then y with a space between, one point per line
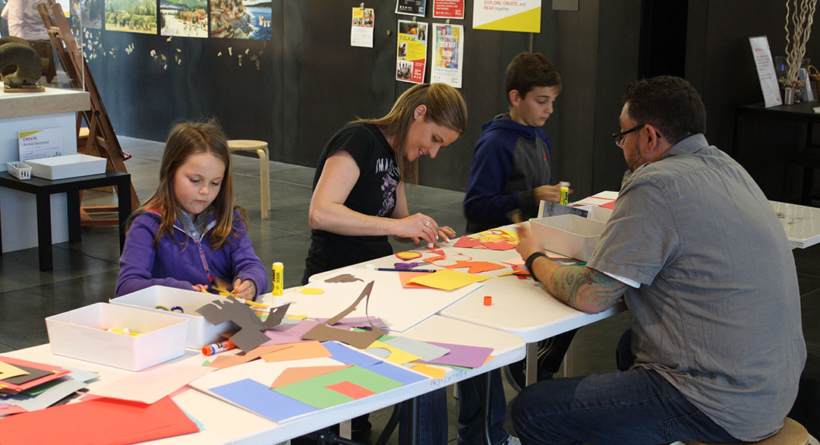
448 49
411 7
361 30
38 144
448 9
411 52
507 15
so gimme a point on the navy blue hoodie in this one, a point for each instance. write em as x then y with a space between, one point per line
510 161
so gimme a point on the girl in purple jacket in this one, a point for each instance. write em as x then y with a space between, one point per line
190 234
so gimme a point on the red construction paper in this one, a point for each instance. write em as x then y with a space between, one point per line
475 266
351 389
610 205
501 245
56 373
467 242
101 422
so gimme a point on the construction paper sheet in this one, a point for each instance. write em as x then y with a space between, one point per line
396 373
351 390
309 291
315 393
432 371
408 255
474 267
257 398
55 372
448 280
298 351
424 350
405 278
393 354
356 322
359 339
7 409
150 386
8 371
517 261
610 205
223 361
462 355
348 356
101 421
46 398
250 334
293 375
29 375
289 333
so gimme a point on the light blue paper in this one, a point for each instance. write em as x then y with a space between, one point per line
260 399
422 349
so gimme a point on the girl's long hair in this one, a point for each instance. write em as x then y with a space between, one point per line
445 107
184 140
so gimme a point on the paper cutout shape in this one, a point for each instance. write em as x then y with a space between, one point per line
97 421
432 371
466 242
356 322
424 350
227 361
610 205
408 255
448 279
151 386
406 277
291 333
517 261
348 356
395 355
7 386
298 351
351 390
361 340
314 392
8 371
293 375
257 398
406 266
250 334
310 291
379 352
343 278
474 267
462 355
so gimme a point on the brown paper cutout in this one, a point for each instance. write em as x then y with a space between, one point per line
250 326
361 340
343 278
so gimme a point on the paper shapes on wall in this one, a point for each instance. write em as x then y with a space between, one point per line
250 334
361 340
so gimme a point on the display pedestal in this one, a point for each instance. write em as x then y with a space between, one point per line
55 108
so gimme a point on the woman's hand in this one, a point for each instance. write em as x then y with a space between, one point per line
446 233
417 227
244 289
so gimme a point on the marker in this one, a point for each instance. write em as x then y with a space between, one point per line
391 269
564 196
218 347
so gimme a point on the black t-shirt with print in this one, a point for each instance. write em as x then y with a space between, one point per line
373 194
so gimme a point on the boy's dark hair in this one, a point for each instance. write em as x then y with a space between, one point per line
530 70
669 104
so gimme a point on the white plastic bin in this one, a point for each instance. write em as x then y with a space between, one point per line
568 235
200 331
81 334
69 166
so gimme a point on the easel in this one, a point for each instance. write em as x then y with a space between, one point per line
101 136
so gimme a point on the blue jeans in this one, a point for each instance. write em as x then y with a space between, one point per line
635 406
432 420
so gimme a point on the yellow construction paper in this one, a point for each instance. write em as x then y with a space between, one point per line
310 291
397 355
448 279
296 317
8 371
431 371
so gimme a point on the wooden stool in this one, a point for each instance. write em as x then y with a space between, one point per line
261 149
792 433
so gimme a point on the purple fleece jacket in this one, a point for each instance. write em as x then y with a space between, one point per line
177 263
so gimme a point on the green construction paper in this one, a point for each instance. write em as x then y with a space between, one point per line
206 363
315 393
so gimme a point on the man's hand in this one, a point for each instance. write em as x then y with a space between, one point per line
549 193
527 243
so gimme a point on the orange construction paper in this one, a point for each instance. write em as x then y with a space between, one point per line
226 361
610 205
101 421
351 389
299 351
448 279
293 375
405 278
467 243
475 266
431 371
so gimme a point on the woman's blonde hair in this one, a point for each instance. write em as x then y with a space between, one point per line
445 107
184 140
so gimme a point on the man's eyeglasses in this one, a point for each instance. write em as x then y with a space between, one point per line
619 137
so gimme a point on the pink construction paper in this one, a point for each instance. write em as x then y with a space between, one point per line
356 322
291 333
462 355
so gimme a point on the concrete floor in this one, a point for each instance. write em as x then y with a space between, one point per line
85 272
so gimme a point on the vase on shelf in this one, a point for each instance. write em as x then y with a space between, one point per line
781 70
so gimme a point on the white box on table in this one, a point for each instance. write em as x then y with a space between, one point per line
69 166
597 213
81 334
200 331
568 235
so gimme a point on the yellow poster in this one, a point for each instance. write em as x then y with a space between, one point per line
507 15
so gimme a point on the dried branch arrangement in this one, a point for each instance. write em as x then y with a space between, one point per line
798 31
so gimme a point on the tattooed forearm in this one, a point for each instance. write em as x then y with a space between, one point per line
584 289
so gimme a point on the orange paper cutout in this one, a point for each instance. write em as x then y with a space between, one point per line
405 277
299 351
351 390
294 375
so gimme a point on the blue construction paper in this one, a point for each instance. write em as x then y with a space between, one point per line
260 399
349 356
396 373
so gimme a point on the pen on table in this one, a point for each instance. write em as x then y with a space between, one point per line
391 269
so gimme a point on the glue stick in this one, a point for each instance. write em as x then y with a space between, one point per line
564 196
278 278
218 347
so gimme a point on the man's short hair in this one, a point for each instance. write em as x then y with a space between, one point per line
530 70
668 103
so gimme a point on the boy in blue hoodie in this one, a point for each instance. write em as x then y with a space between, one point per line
511 167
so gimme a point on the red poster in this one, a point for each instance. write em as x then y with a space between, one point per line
448 9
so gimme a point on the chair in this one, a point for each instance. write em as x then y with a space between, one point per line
792 433
261 150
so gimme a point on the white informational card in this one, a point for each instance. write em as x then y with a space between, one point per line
37 144
361 29
448 53
507 15
765 71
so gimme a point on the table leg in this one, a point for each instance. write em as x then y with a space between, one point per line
413 418
44 231
346 429
74 231
123 207
485 408
532 363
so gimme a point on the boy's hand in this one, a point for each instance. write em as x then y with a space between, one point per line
244 289
549 193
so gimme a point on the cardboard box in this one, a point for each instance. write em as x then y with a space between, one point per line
200 331
69 166
81 334
568 235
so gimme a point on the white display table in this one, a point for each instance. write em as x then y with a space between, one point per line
54 108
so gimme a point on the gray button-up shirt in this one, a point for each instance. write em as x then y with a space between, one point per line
718 310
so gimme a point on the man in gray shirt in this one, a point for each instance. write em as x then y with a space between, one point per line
715 349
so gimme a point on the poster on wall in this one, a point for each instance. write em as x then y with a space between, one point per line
411 51
138 16
411 7
448 49
361 30
241 19
87 13
183 18
448 9
507 15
